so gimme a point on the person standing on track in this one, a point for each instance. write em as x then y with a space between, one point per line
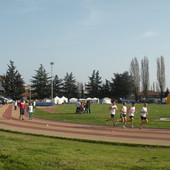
30 110
22 106
34 104
144 112
15 105
112 109
131 112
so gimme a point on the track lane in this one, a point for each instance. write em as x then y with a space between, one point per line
149 136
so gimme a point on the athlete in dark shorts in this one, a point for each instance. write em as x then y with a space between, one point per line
131 112
112 109
22 106
123 112
144 112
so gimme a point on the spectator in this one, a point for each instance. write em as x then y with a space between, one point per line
30 110
78 107
22 106
87 107
15 105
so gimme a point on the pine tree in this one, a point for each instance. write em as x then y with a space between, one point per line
12 82
69 86
57 84
41 83
94 85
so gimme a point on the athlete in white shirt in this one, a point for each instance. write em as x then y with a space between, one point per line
123 112
112 109
131 112
144 112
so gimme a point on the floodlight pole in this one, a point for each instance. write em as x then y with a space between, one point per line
52 63
30 93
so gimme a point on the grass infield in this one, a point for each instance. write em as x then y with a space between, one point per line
100 112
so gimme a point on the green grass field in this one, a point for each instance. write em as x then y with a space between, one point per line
32 152
27 152
100 113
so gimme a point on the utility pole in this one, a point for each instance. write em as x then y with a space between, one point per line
51 63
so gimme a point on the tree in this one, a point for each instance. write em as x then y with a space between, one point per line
135 73
161 75
166 93
12 82
94 85
41 83
69 86
106 89
1 88
80 90
57 86
145 76
121 85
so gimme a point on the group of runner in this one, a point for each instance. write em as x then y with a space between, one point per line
113 108
131 113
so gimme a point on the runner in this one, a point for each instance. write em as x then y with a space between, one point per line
144 112
131 112
112 109
123 112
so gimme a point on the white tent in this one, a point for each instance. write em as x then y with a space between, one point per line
64 99
82 100
58 100
95 100
105 100
88 98
73 100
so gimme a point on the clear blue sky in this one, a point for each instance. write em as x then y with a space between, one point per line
82 35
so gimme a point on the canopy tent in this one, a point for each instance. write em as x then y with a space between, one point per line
73 100
95 100
89 98
106 100
92 100
6 100
64 99
58 100
82 100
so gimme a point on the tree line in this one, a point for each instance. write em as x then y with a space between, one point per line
121 85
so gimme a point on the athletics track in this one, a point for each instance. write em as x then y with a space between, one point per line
147 136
